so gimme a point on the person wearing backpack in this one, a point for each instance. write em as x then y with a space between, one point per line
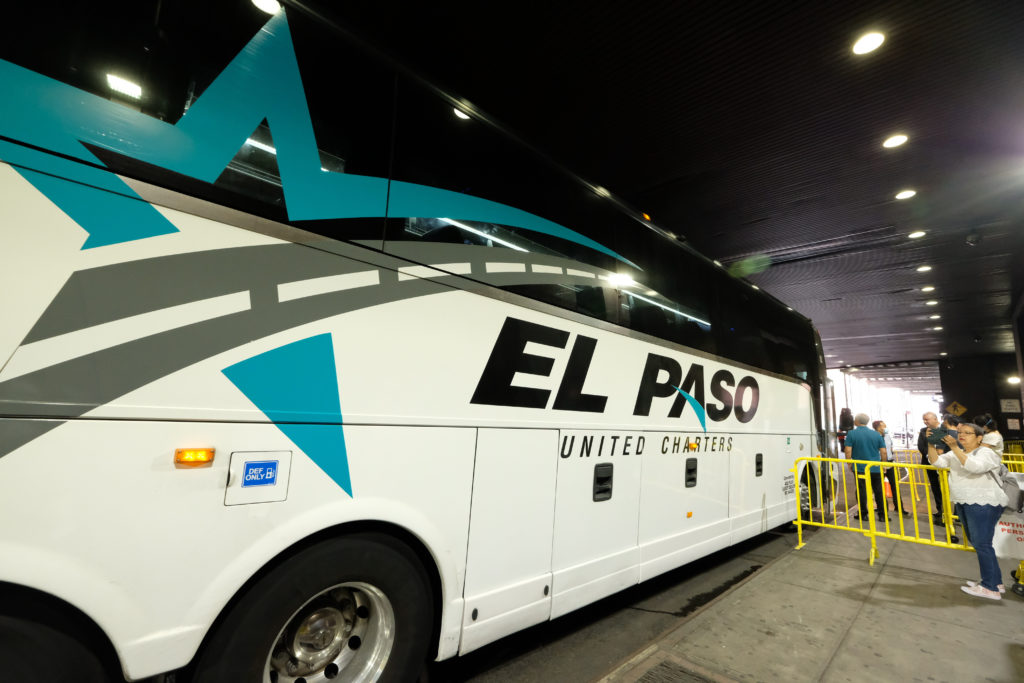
979 500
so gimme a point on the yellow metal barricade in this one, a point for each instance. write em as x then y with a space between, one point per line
1013 455
831 506
908 456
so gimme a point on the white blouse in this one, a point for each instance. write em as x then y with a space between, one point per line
993 440
971 482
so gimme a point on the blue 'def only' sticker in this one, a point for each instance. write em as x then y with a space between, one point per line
259 473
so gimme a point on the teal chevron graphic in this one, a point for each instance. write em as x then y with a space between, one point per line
697 408
261 82
296 386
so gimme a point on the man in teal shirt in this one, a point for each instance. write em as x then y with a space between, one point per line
864 443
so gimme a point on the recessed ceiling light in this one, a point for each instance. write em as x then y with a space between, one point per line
906 194
933 302
273 6
937 328
717 263
830 355
923 269
895 141
935 317
602 191
124 86
788 308
755 286
943 353
928 288
869 42
917 233
1013 380
461 114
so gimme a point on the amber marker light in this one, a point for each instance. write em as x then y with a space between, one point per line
193 457
646 217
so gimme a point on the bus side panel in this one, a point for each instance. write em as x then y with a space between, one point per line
596 516
761 484
683 510
96 514
508 569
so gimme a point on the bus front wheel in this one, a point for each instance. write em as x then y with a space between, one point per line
352 609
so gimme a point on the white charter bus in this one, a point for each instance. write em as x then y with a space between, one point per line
309 371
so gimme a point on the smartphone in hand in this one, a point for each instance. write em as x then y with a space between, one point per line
937 435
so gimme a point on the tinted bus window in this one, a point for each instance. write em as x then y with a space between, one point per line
673 296
760 332
271 114
492 210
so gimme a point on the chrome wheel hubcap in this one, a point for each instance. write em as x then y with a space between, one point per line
342 634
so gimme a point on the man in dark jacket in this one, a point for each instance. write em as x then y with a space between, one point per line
931 421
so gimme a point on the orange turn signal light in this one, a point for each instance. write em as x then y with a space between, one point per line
193 457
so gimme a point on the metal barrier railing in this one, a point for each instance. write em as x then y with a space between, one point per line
1013 455
904 528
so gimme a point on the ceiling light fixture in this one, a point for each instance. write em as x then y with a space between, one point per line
602 191
717 263
933 302
923 269
917 233
943 353
935 317
619 280
487 236
260 145
905 194
755 286
461 114
937 328
928 288
272 6
124 86
1013 380
869 42
895 141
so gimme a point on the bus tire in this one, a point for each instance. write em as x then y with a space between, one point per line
357 608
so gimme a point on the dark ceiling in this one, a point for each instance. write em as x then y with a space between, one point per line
752 128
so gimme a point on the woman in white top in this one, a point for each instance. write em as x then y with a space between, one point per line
993 439
979 500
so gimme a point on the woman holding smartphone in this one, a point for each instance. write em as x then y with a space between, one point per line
979 500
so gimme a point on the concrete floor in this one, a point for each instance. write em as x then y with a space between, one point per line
585 645
824 614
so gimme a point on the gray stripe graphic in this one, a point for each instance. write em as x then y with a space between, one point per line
69 389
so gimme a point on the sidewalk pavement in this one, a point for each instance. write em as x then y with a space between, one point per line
823 613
